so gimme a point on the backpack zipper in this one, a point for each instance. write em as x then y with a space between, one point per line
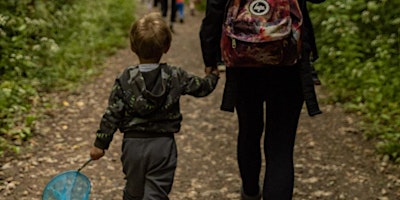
233 43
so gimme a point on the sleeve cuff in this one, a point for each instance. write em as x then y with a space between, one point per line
101 144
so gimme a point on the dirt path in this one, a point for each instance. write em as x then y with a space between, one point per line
332 161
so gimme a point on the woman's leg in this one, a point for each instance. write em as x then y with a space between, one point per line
284 104
249 107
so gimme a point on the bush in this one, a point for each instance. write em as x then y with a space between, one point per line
359 50
49 45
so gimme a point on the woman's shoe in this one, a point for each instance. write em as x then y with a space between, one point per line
244 196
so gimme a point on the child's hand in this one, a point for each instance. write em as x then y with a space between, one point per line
96 153
213 70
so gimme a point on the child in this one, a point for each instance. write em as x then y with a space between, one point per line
144 106
180 6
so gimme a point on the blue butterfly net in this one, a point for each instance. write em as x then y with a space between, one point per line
70 185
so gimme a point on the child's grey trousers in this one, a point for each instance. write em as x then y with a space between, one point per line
149 166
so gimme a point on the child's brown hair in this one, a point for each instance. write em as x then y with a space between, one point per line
150 37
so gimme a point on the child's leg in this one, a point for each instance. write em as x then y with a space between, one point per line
161 169
134 169
149 166
180 7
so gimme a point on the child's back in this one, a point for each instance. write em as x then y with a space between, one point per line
153 96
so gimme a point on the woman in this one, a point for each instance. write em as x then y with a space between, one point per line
281 90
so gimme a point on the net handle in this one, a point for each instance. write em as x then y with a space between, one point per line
84 165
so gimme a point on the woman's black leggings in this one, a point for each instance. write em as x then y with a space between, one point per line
276 94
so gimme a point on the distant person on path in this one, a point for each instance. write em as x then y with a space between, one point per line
144 106
192 7
164 12
155 3
278 89
180 6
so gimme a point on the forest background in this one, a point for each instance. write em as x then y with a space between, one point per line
53 45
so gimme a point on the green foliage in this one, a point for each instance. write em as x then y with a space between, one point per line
48 45
359 49
201 5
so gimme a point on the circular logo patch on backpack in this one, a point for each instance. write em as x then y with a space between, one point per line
259 7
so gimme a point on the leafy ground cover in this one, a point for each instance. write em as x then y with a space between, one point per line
359 42
48 45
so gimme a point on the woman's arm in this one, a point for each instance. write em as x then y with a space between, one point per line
210 31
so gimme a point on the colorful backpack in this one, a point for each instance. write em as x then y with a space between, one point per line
260 33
